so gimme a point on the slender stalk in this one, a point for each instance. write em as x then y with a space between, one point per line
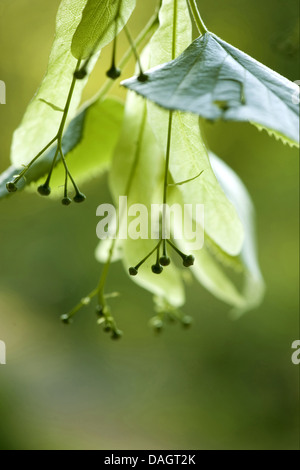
105 271
108 85
27 167
52 167
169 138
67 106
148 256
197 17
166 185
132 44
176 249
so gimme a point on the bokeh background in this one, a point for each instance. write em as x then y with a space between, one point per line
222 384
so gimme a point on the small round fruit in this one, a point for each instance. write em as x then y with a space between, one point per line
143 78
133 271
65 319
189 261
116 335
157 269
165 261
114 73
11 187
79 198
44 190
80 74
66 201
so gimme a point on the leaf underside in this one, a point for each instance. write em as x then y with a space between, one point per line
88 144
41 121
217 81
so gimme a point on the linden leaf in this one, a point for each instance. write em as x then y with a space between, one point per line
215 80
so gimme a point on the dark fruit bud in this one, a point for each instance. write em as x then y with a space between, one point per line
66 201
114 73
44 190
11 187
99 311
157 269
133 272
65 319
157 324
189 261
107 329
117 334
143 78
80 74
165 261
187 321
79 198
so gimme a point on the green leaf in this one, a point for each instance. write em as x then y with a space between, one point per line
217 81
254 287
41 122
88 144
97 27
220 273
138 160
189 156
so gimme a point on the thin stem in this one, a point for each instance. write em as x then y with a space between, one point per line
158 255
52 167
115 47
66 186
169 138
165 195
176 249
197 17
67 106
148 256
108 85
68 174
105 271
27 167
168 155
132 44
82 303
102 282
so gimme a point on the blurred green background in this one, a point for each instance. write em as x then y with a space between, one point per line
222 384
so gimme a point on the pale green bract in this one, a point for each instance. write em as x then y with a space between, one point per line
189 156
88 144
217 81
138 172
214 269
138 159
41 122
97 27
138 156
